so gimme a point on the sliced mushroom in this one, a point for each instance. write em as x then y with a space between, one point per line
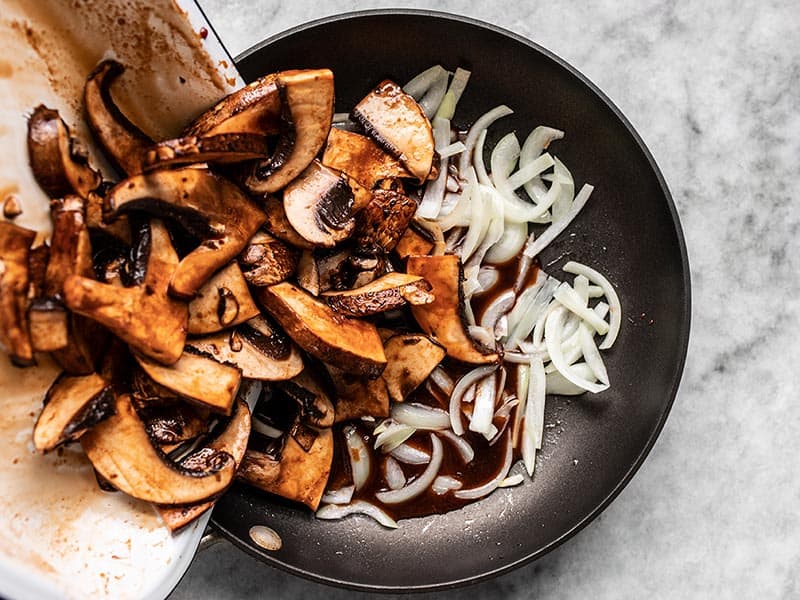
48 322
358 397
259 355
12 207
278 225
144 316
171 421
59 162
233 441
361 158
410 359
119 229
124 143
387 292
444 317
412 242
308 273
15 243
220 149
198 378
206 205
316 408
350 344
120 450
319 205
299 475
267 260
399 125
72 406
309 99
223 301
383 221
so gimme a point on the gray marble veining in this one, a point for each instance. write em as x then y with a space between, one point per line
714 90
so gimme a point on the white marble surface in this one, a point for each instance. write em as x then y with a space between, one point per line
714 90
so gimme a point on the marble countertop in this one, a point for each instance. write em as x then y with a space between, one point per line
712 87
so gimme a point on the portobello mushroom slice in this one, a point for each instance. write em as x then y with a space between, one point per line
352 345
381 224
309 99
59 162
223 301
144 316
259 350
267 260
443 319
410 359
299 475
316 408
411 243
319 205
73 405
220 148
171 421
399 125
278 225
198 378
15 243
120 450
232 440
358 397
387 292
124 143
361 158
206 205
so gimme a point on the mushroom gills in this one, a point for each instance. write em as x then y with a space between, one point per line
219 149
387 292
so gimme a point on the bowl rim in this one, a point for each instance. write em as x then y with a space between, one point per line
683 334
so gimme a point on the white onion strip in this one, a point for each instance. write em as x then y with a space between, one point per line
477 128
341 496
444 483
458 392
395 478
452 149
552 333
488 487
483 407
572 301
615 308
441 378
431 202
548 235
538 141
359 456
339 511
410 455
421 483
591 354
462 446
420 416
390 434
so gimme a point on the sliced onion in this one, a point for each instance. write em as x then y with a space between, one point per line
481 335
444 483
511 481
341 117
460 388
420 416
462 446
553 330
509 245
528 309
341 496
421 483
572 301
567 193
440 377
418 85
453 95
534 247
533 169
533 425
523 381
557 384
503 158
538 140
477 160
477 128
338 511
462 211
265 429
496 225
359 456
480 219
488 277
431 202
434 95
615 308
392 435
488 487
483 407
452 150
591 354
411 455
250 392
395 478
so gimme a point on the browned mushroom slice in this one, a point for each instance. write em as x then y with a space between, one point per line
412 242
319 205
125 144
398 124
383 221
387 292
358 397
48 322
299 475
410 359
223 301
198 378
361 158
171 421
233 441
444 317
309 98
73 404
120 450
316 408
206 205
308 273
352 345
261 352
221 148
59 162
143 316
278 225
267 260
15 243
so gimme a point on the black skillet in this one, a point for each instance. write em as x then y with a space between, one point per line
629 230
